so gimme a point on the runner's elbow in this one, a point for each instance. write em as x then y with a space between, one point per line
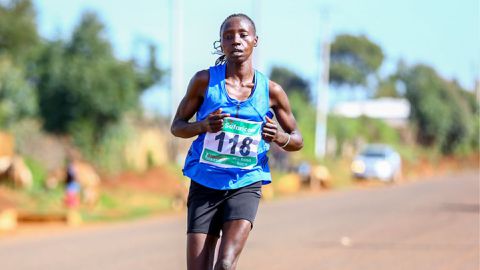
180 131
300 146
297 146
175 130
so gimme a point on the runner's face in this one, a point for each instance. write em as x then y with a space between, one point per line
238 39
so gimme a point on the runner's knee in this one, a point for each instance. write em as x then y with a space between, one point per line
224 264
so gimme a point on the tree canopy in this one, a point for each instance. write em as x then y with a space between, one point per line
81 81
18 31
18 99
290 81
438 109
353 59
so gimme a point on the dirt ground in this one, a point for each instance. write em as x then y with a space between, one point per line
425 168
6 198
157 180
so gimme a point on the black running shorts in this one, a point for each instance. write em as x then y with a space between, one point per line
209 208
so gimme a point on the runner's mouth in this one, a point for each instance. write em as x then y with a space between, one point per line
237 52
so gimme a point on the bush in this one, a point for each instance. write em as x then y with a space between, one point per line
39 173
352 130
305 116
342 129
107 151
441 110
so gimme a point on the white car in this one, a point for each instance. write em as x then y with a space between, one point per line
377 161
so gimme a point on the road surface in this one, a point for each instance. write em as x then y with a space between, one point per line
431 224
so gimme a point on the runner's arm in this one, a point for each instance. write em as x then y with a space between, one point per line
189 106
283 112
191 102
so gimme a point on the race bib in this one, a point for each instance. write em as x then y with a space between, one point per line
235 146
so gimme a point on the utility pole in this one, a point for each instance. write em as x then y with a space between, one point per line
176 59
176 83
322 90
257 17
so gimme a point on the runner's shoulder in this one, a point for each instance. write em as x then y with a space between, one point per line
202 76
275 91
199 82
274 87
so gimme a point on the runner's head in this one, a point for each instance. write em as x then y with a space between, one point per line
237 38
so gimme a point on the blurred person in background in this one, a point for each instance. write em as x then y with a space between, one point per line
228 161
72 187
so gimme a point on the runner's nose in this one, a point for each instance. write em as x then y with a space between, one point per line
236 40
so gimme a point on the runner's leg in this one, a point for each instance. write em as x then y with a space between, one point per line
234 237
200 251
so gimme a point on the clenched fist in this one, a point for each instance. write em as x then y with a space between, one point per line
214 121
269 130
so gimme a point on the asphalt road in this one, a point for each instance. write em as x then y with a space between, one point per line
431 224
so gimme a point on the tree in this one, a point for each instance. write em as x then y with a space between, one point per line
83 86
290 81
387 88
18 31
152 74
353 59
17 96
462 115
438 109
392 85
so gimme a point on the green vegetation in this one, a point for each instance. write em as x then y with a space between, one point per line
305 115
120 204
75 87
444 120
353 60
18 99
84 91
39 174
441 111
18 31
290 82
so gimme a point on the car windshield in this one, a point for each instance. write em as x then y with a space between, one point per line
377 153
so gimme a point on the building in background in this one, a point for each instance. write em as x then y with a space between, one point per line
394 111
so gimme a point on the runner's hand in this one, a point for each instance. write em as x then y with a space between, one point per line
269 130
214 121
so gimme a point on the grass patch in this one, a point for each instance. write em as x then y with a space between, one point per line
339 173
118 205
39 173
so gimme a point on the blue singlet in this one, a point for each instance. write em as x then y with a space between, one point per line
255 108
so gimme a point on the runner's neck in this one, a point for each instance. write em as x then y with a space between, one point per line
242 73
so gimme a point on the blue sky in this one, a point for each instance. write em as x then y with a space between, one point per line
444 34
